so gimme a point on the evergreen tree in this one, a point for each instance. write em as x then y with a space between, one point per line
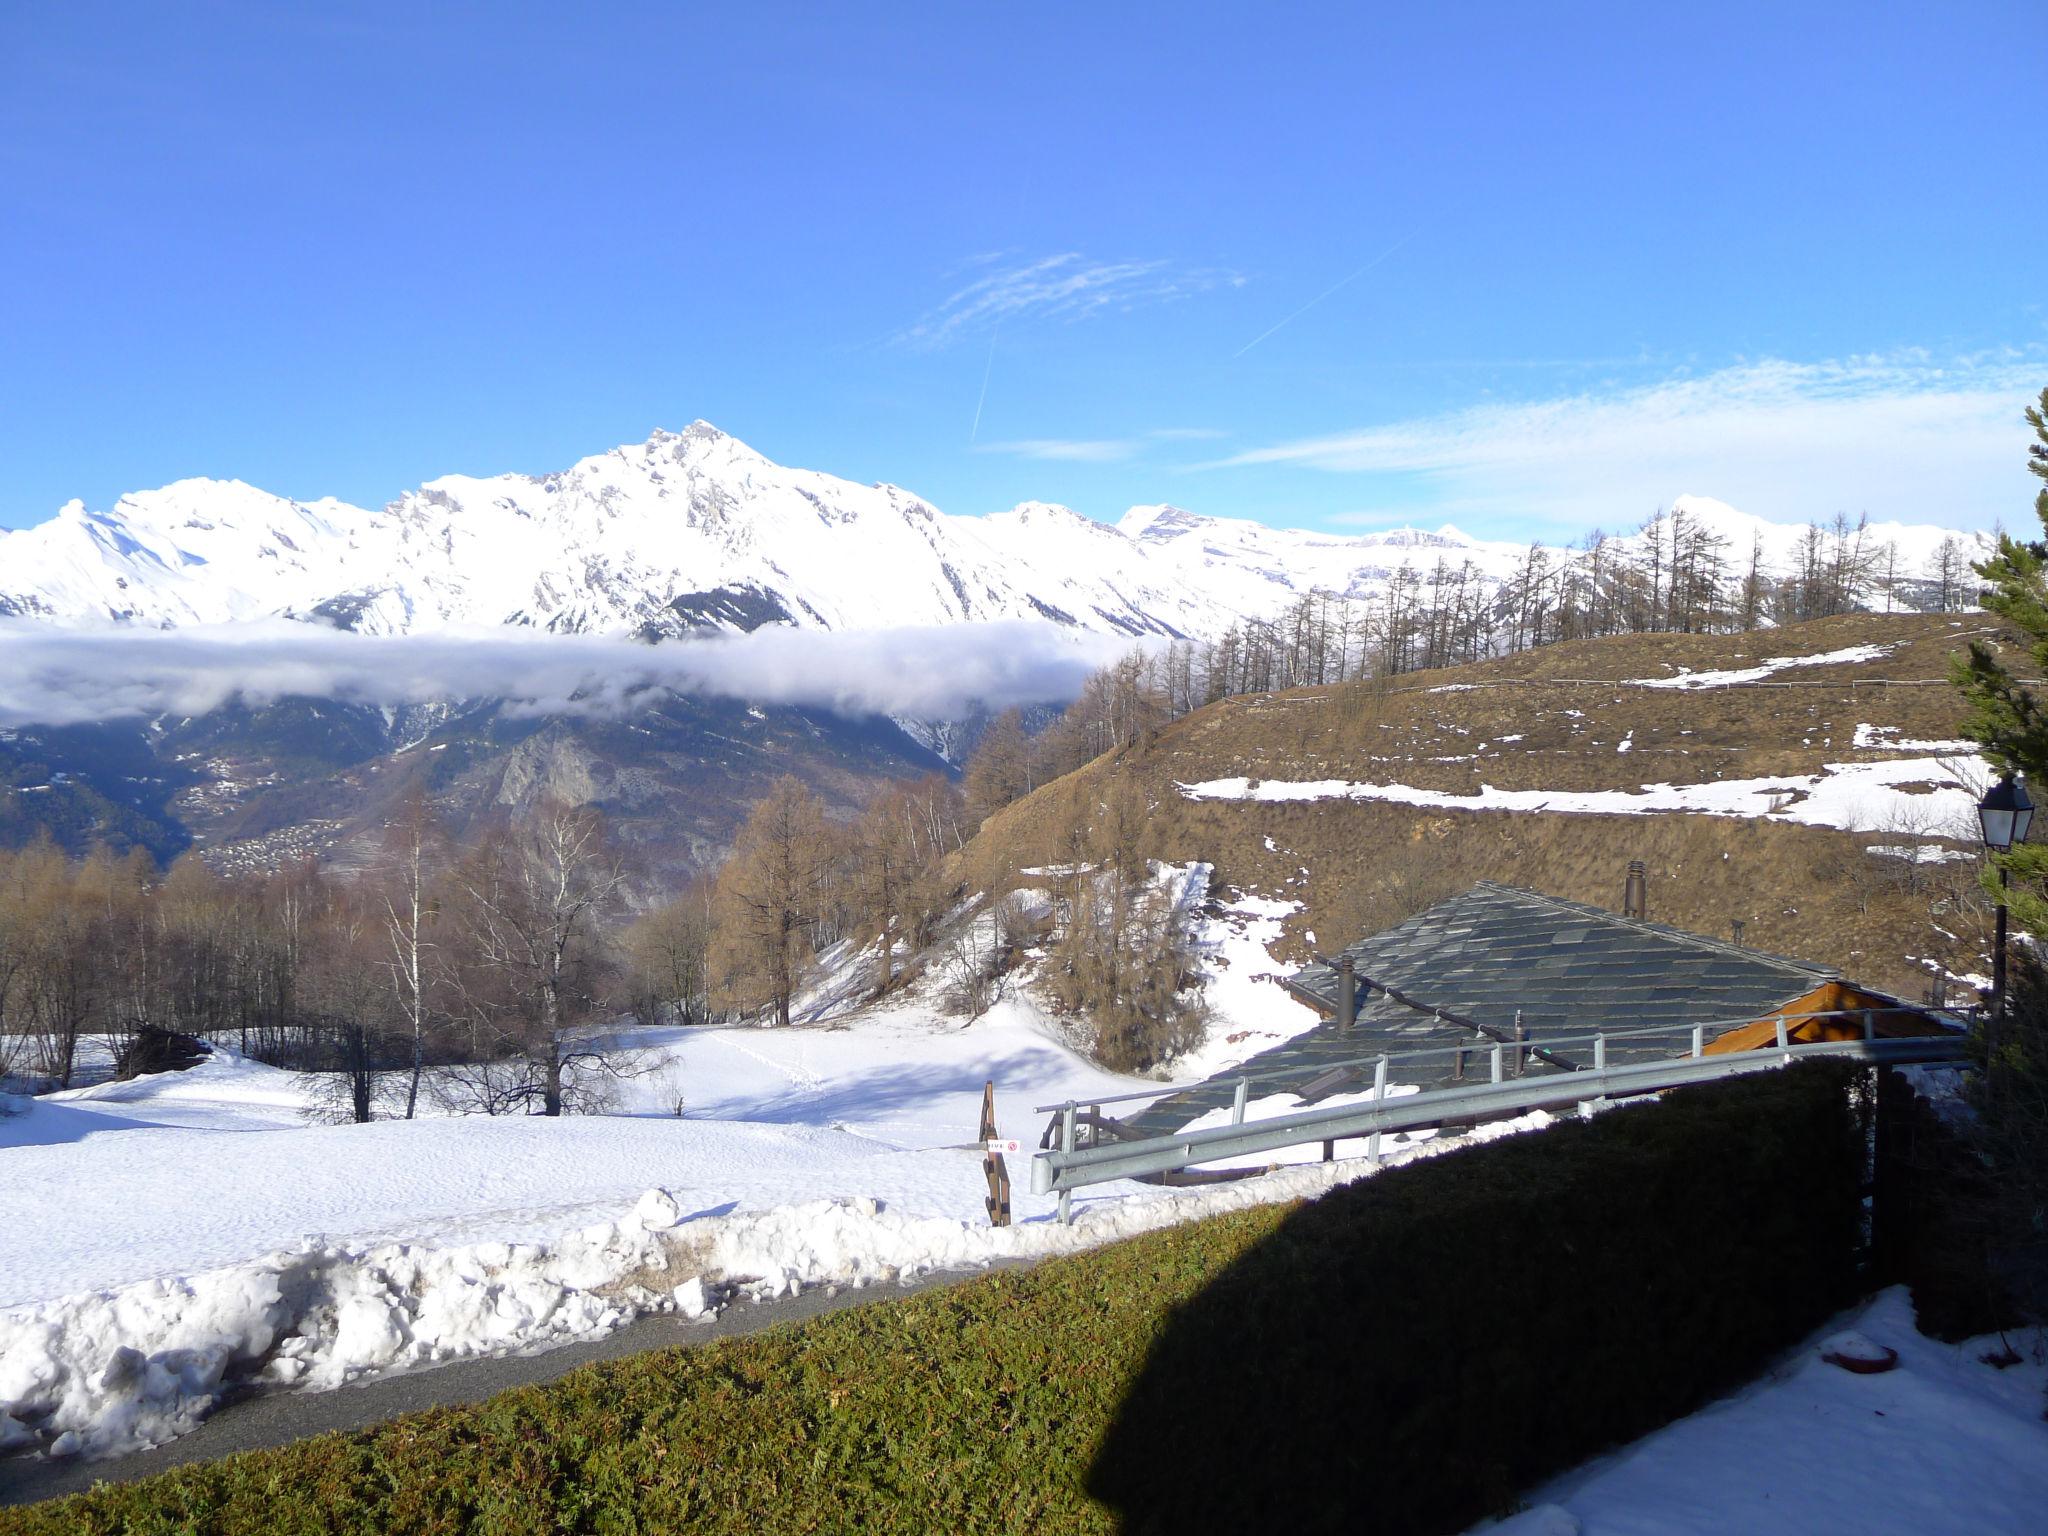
2012 726
2005 717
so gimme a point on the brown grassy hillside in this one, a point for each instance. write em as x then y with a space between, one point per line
1800 890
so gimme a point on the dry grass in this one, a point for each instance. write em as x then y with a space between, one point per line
1799 890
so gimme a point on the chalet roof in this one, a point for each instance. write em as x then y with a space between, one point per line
1495 951
1461 972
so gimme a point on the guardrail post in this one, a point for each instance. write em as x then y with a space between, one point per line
1458 1062
1699 1041
1521 1051
1599 1053
1496 1061
1379 1092
1783 1042
1237 1101
1067 1145
1869 1025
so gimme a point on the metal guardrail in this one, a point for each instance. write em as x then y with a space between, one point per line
1502 1049
1070 1168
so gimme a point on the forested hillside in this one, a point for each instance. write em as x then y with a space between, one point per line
1806 782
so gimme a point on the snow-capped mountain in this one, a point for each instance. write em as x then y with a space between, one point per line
695 528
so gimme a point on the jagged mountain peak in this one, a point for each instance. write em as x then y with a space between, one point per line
1161 521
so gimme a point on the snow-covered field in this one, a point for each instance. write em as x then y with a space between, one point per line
164 1239
1943 1444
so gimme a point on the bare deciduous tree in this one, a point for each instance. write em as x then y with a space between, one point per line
532 895
770 900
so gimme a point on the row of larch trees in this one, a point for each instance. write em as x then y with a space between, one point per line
1676 574
799 883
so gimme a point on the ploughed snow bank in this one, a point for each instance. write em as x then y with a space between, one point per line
1853 797
120 1369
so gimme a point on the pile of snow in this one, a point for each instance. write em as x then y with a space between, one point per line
1852 797
1945 1442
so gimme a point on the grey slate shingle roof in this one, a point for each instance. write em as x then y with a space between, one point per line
1494 951
1566 967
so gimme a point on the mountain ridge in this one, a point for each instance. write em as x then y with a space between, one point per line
697 529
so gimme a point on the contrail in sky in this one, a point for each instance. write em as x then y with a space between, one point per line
985 372
1312 303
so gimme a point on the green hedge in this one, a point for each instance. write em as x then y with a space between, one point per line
1409 1353
1942 1225
1402 1355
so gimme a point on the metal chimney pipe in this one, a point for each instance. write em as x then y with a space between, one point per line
1347 992
1635 895
1735 929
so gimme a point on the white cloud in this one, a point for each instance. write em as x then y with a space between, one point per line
1899 437
1096 450
59 676
1067 286
1103 450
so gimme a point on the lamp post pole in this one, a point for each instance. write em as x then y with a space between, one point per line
1998 960
2006 814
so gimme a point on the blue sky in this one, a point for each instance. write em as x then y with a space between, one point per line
1529 269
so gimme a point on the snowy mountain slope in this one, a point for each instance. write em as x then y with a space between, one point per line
685 529
695 528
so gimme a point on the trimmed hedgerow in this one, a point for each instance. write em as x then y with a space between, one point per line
1408 1353
1401 1355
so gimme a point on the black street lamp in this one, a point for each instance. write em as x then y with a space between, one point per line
2005 812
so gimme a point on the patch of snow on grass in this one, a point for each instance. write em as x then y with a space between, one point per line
1852 797
1886 738
1723 679
1249 1011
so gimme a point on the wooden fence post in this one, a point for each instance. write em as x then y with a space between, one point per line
992 1163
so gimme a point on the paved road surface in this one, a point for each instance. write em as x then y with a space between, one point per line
280 1417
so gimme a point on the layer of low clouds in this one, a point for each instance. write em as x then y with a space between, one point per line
1066 286
1899 437
59 676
